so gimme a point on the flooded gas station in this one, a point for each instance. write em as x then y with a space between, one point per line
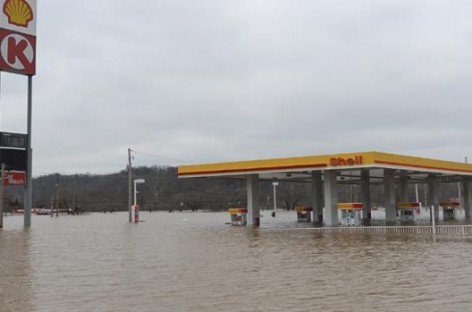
325 173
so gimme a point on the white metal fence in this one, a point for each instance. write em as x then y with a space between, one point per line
465 230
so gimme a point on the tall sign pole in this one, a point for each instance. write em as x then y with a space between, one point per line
29 158
18 56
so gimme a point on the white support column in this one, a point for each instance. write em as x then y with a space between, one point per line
433 191
389 190
404 196
467 197
253 209
366 200
317 197
331 198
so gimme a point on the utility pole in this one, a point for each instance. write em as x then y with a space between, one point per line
57 196
275 184
130 184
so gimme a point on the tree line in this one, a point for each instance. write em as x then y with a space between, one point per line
163 191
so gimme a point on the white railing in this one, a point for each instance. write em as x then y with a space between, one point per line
400 230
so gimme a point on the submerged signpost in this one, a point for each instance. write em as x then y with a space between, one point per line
18 56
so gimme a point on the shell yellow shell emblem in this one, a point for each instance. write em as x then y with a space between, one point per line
19 12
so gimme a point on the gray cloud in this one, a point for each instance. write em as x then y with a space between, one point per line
204 81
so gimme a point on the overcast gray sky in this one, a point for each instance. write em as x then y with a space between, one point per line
191 81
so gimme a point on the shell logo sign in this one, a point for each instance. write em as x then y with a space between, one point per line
346 161
18 36
19 12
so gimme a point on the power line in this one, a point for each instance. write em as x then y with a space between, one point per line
161 157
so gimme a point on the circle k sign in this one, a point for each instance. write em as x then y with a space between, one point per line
18 36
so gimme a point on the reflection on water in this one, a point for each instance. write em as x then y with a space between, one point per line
15 271
196 262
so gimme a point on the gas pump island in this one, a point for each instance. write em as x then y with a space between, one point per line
351 213
325 173
450 209
238 216
408 211
303 214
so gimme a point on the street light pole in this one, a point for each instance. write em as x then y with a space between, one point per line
135 194
137 181
275 184
135 206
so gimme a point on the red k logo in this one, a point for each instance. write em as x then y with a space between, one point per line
17 51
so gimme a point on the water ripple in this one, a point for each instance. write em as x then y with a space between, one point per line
195 262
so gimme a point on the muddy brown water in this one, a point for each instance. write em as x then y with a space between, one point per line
196 262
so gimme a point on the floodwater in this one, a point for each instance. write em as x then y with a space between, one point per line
195 262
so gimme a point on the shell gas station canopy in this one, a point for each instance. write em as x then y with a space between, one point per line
324 172
348 166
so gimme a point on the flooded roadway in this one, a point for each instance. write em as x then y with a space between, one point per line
196 262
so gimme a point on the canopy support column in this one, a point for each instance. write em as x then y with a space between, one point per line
433 196
317 197
389 190
331 198
253 208
404 196
467 197
366 201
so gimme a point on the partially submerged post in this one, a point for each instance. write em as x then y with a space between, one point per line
275 184
2 170
135 208
130 185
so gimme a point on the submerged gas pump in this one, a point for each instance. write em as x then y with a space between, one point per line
450 209
351 213
407 211
238 216
303 214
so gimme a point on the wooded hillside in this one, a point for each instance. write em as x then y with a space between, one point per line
164 191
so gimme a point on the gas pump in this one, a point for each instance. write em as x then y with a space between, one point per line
351 213
238 216
450 209
407 211
303 214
